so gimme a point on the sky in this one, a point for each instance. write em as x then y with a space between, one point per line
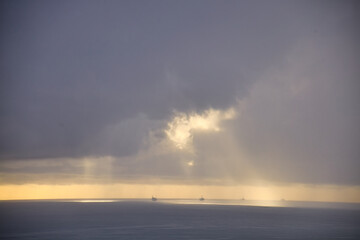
222 98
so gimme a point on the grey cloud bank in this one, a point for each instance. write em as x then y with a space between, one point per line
101 80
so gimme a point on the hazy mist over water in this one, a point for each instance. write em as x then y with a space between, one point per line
175 219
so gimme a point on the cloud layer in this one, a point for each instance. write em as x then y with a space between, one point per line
207 92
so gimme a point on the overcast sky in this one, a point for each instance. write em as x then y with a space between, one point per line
180 91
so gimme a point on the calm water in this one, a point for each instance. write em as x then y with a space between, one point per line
177 219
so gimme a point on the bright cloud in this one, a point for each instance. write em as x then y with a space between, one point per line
180 129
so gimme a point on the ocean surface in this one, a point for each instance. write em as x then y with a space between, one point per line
177 219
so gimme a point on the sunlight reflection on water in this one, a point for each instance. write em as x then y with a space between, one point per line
93 200
227 202
187 202
239 202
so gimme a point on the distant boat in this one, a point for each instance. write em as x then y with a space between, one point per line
153 198
202 198
243 199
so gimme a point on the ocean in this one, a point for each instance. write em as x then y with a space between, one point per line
177 219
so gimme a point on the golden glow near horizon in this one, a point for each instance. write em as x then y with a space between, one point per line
180 129
325 193
180 132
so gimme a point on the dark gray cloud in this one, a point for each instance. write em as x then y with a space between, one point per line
100 78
